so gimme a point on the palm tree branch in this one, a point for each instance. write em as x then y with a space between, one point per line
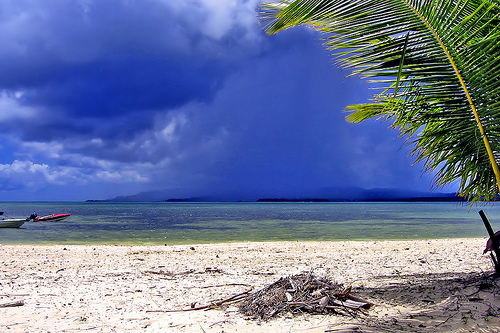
466 90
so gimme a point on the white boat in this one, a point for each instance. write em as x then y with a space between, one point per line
11 223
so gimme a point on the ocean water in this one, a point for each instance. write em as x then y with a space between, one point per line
195 223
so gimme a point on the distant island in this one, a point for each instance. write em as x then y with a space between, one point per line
292 200
453 198
331 194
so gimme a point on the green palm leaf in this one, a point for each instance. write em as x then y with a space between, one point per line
435 63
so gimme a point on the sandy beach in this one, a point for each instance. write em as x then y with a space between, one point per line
416 286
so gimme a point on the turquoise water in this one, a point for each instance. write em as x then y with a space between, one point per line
194 223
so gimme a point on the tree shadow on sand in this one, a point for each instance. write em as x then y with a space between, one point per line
448 302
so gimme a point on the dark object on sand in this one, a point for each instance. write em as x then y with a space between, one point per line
489 243
495 249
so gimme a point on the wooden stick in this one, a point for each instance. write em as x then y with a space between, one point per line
222 285
12 304
493 259
211 305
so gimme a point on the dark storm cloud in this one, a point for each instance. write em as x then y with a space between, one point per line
115 97
103 59
277 126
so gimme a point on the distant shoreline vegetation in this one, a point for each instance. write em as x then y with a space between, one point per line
292 200
418 199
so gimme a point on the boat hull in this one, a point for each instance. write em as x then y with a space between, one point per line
11 223
52 217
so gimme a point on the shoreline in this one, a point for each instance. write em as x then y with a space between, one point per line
416 285
131 243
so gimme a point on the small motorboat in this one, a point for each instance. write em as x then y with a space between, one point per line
12 222
51 217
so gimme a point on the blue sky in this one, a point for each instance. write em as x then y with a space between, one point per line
114 97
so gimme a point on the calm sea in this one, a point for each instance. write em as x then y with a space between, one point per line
194 223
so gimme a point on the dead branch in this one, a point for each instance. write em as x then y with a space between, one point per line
212 305
12 304
223 285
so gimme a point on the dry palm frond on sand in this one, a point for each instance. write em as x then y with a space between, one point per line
301 293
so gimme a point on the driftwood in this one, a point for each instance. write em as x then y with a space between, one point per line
301 293
12 304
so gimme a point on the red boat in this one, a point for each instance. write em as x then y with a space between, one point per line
51 217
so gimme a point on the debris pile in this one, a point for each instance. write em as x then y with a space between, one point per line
301 293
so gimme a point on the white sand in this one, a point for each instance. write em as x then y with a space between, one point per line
417 286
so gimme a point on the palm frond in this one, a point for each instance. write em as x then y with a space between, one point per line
435 62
